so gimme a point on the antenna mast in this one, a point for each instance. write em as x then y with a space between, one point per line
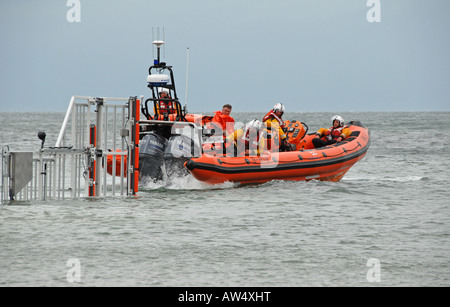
187 76
158 43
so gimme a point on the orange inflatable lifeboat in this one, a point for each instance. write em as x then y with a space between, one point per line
329 163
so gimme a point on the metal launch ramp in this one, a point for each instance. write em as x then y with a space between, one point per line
94 131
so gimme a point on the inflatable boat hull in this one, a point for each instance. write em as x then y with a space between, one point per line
329 163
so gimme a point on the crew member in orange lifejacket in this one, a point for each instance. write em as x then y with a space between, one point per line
246 140
165 107
337 133
224 120
274 129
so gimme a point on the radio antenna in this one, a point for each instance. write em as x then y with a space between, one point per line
158 43
164 40
187 76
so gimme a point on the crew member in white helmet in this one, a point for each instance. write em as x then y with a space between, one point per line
246 140
165 105
274 134
337 133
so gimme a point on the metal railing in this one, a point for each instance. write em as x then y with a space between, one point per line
96 154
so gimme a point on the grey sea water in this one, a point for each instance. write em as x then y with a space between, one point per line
385 224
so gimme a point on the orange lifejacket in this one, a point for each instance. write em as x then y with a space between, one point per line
164 108
273 115
276 137
333 133
167 107
223 119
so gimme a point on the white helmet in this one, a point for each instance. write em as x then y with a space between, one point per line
256 124
339 119
278 107
163 90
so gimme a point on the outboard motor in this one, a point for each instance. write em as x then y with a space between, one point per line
179 149
151 151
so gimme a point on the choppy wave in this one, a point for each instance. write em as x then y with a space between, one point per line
383 179
183 182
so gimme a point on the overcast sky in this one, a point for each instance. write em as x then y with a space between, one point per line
311 55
